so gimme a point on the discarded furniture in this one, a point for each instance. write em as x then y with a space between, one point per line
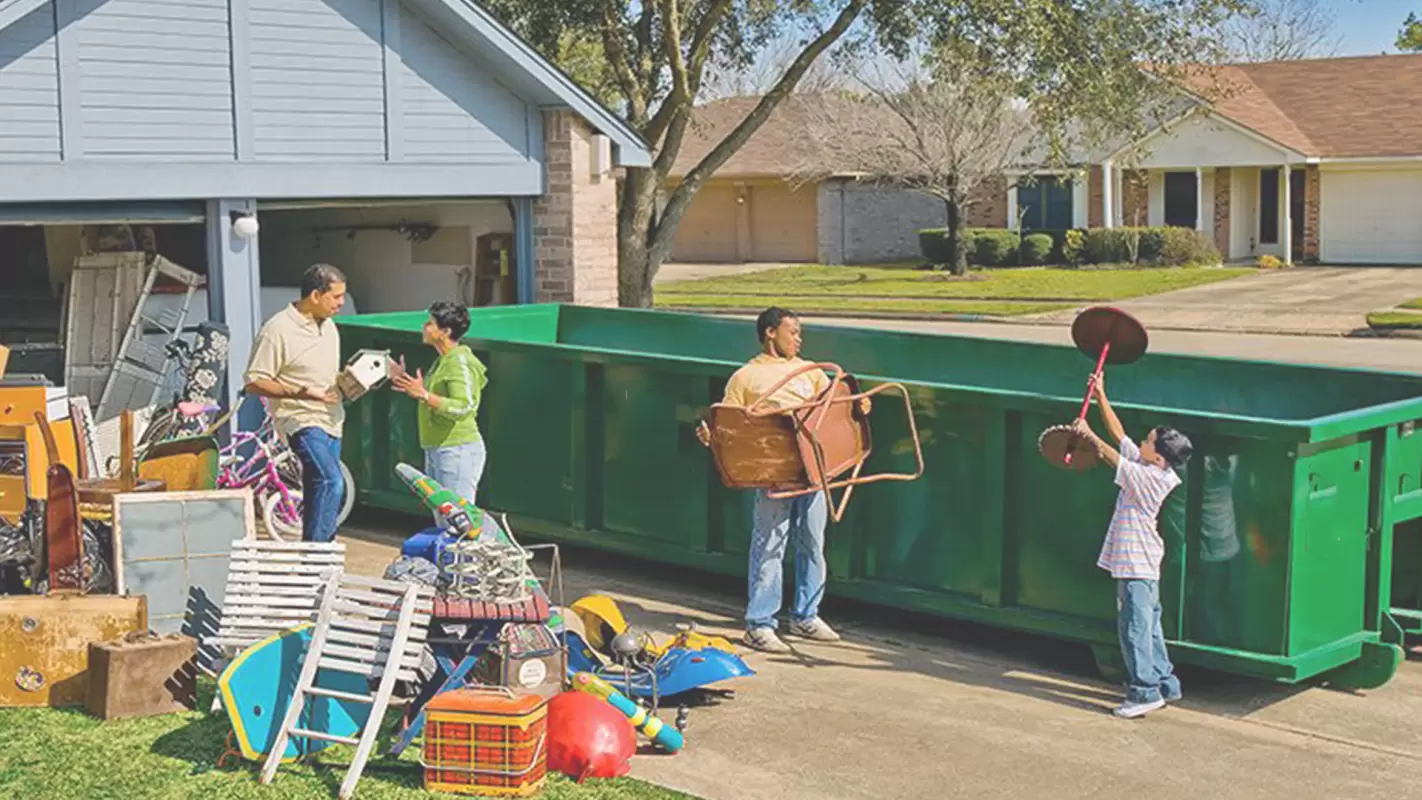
188 464
175 548
370 628
142 675
45 657
805 448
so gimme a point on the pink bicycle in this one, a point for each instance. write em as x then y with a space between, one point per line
273 474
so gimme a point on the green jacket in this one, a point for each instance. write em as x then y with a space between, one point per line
458 377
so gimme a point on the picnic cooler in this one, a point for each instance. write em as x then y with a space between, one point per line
485 742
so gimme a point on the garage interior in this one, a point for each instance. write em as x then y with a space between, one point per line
398 256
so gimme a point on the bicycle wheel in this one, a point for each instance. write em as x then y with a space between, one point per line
348 500
282 520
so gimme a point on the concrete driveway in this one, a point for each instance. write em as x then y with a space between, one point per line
1328 301
917 707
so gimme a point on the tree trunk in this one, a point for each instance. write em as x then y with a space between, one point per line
957 253
635 214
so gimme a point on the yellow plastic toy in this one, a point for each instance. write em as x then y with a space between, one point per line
601 618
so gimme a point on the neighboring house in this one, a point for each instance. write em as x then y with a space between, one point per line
407 141
753 210
1316 160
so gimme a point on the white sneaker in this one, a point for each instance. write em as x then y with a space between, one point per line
1133 710
765 640
815 629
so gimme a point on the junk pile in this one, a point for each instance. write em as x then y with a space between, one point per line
502 684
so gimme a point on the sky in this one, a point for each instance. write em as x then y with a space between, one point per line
1369 27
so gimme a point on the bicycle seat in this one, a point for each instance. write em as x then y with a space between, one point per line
192 408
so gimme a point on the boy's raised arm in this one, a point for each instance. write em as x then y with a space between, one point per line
1106 451
1114 429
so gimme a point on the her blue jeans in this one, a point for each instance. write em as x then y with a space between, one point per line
457 469
322 487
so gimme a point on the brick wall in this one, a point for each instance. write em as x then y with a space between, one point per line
989 209
1311 220
1222 201
865 224
1095 198
575 221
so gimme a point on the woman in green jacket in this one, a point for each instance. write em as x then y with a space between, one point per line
448 402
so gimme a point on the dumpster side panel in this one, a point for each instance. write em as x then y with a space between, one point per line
1330 544
527 423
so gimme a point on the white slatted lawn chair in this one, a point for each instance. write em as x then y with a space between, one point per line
271 587
368 627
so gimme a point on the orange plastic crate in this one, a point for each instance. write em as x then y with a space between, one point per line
485 742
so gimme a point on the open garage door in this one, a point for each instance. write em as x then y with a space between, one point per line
1371 217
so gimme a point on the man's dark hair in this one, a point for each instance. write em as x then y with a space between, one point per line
319 278
1173 446
770 319
452 317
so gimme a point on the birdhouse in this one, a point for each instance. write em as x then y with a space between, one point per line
365 370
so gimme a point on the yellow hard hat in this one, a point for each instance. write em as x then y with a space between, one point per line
601 619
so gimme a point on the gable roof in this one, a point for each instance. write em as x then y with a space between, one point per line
776 149
468 23
1369 106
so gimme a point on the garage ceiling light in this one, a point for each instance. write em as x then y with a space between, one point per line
244 224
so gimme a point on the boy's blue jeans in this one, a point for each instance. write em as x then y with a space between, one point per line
1149 673
322 487
776 522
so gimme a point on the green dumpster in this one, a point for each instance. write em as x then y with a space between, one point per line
1292 547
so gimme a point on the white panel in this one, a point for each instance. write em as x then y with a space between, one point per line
29 89
1203 142
1155 213
1371 217
1242 215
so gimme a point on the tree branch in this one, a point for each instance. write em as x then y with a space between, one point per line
621 67
681 196
693 70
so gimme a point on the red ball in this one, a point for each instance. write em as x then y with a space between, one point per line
588 738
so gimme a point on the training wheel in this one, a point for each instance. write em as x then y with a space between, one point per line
1098 326
1058 440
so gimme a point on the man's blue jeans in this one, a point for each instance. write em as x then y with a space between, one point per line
1149 673
776 523
322 487
457 469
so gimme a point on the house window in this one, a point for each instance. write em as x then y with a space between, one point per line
1269 206
1181 199
1045 203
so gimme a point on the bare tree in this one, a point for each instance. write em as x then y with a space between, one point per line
1282 30
940 125
754 79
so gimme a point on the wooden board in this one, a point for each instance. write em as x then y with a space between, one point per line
176 547
45 658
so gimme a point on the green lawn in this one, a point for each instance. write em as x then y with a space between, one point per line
67 755
902 289
1395 320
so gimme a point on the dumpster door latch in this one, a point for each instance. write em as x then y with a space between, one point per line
1405 429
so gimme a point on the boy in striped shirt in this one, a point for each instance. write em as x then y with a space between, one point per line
1133 550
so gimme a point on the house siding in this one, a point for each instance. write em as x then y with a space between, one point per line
29 89
317 70
154 78
452 112
866 224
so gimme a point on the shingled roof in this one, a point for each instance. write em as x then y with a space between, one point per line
1369 106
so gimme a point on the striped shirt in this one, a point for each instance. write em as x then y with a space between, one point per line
1133 548
458 378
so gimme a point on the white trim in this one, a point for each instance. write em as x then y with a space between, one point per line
1216 117
1012 206
1108 191
1366 160
1080 198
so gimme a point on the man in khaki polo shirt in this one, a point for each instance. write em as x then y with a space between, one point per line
294 363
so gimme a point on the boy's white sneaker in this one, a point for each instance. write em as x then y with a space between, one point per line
766 641
1134 710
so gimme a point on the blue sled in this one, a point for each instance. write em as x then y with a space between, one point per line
680 670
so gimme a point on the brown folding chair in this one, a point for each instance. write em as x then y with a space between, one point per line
804 448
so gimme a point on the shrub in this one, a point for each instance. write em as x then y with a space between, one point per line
1271 262
933 244
992 247
1037 249
1073 247
1163 246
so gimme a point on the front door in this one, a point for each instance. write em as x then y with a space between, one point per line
1181 200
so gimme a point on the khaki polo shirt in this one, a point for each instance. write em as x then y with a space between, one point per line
297 351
